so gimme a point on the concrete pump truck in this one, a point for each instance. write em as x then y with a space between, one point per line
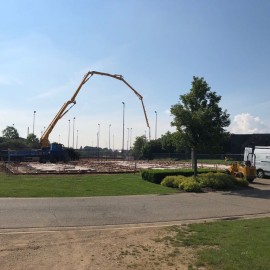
55 152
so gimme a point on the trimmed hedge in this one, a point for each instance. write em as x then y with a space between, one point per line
157 175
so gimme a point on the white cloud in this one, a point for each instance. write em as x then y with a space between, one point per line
245 123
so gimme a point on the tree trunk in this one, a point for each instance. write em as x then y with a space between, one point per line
194 160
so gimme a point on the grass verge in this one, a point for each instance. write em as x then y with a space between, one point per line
227 245
77 185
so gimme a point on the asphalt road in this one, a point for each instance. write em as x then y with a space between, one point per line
46 213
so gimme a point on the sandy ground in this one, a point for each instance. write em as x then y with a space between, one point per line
108 249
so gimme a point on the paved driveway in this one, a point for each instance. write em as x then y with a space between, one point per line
99 211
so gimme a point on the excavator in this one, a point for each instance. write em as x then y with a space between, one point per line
56 152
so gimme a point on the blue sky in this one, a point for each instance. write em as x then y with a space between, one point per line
158 46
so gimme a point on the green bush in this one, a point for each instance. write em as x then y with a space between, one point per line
172 181
240 182
169 181
156 176
216 180
190 184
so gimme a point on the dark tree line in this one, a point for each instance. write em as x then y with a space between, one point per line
12 140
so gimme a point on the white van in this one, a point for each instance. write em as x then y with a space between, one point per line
261 159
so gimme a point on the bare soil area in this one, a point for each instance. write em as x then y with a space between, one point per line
89 166
106 249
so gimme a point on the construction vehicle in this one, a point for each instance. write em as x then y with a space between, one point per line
56 152
247 168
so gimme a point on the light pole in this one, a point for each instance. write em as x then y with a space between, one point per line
73 132
123 141
127 138
34 122
77 139
98 133
109 136
156 126
68 131
130 144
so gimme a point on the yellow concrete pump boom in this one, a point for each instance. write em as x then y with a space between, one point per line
44 140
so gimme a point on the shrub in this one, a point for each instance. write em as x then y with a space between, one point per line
169 181
240 182
190 184
216 180
156 176
172 181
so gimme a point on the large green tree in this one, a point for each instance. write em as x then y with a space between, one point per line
199 119
10 132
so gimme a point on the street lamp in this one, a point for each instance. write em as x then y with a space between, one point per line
130 144
73 132
34 122
123 141
109 136
127 138
98 135
156 126
77 139
68 131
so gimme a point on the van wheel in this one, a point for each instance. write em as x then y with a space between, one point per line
260 173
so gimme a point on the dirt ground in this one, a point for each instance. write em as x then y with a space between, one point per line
89 166
105 249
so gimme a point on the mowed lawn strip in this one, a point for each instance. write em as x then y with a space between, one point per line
77 185
227 245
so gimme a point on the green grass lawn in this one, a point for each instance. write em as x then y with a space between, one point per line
228 245
77 185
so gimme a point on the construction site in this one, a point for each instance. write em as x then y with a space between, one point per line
54 158
91 166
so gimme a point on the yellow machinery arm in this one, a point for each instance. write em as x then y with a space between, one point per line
44 140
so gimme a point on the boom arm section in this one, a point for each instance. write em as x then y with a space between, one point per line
44 140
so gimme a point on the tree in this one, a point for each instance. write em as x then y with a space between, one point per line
138 146
172 142
151 147
199 119
32 140
10 133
